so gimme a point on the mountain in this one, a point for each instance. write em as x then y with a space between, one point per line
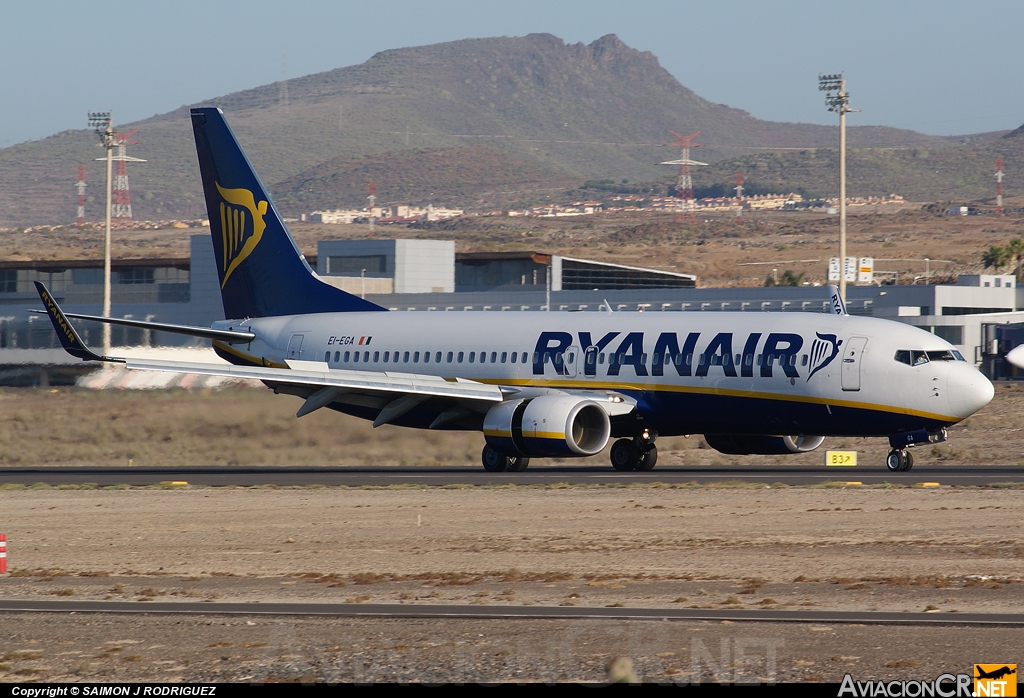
472 175
961 172
598 111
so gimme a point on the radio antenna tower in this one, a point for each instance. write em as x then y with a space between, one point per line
372 199
999 187
739 198
80 185
684 185
122 199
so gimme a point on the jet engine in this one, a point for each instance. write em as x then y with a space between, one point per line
550 425
762 445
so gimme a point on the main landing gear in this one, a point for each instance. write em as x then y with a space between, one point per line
635 454
495 462
899 460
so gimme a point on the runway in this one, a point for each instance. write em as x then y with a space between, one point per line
511 612
355 476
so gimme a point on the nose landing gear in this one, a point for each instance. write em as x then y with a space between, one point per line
899 460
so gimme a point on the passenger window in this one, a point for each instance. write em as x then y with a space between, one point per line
450 355
536 357
376 356
337 356
803 360
483 357
416 357
656 360
643 359
680 359
472 356
437 358
514 357
345 358
918 357
405 357
524 357
494 357
600 358
749 359
426 357
355 356
504 356
462 355
366 356
572 357
944 355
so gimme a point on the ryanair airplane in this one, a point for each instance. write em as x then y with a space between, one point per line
540 384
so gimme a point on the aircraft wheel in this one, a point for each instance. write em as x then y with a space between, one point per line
493 461
624 455
908 461
649 459
896 460
517 464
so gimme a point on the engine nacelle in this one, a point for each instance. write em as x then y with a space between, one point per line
742 445
550 425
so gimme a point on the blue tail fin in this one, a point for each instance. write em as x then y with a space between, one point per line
262 272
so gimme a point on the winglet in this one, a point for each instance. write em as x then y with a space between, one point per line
836 301
67 335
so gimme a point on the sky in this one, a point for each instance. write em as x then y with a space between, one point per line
937 66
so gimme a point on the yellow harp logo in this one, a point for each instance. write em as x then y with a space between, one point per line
238 239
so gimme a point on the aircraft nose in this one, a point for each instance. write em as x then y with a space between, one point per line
968 389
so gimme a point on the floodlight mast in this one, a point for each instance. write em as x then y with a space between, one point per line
837 100
103 124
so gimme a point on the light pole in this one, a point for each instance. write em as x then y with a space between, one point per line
837 100
104 126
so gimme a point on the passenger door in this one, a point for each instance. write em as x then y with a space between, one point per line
852 353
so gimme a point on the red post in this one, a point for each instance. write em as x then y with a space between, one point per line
3 553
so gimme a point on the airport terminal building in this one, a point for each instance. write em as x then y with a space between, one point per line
982 315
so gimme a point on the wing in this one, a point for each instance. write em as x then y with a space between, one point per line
383 396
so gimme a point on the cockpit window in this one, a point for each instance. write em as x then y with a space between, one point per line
944 355
918 357
958 355
903 356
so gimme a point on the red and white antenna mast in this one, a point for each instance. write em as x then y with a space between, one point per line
999 186
80 185
684 185
739 198
121 212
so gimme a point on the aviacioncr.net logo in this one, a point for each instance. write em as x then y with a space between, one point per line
241 227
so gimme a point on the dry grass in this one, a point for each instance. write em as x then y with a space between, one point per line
256 427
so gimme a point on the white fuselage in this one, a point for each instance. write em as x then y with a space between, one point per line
741 373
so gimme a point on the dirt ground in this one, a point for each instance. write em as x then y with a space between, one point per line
939 550
714 247
40 426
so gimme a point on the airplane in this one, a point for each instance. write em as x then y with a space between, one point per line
1016 356
550 384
